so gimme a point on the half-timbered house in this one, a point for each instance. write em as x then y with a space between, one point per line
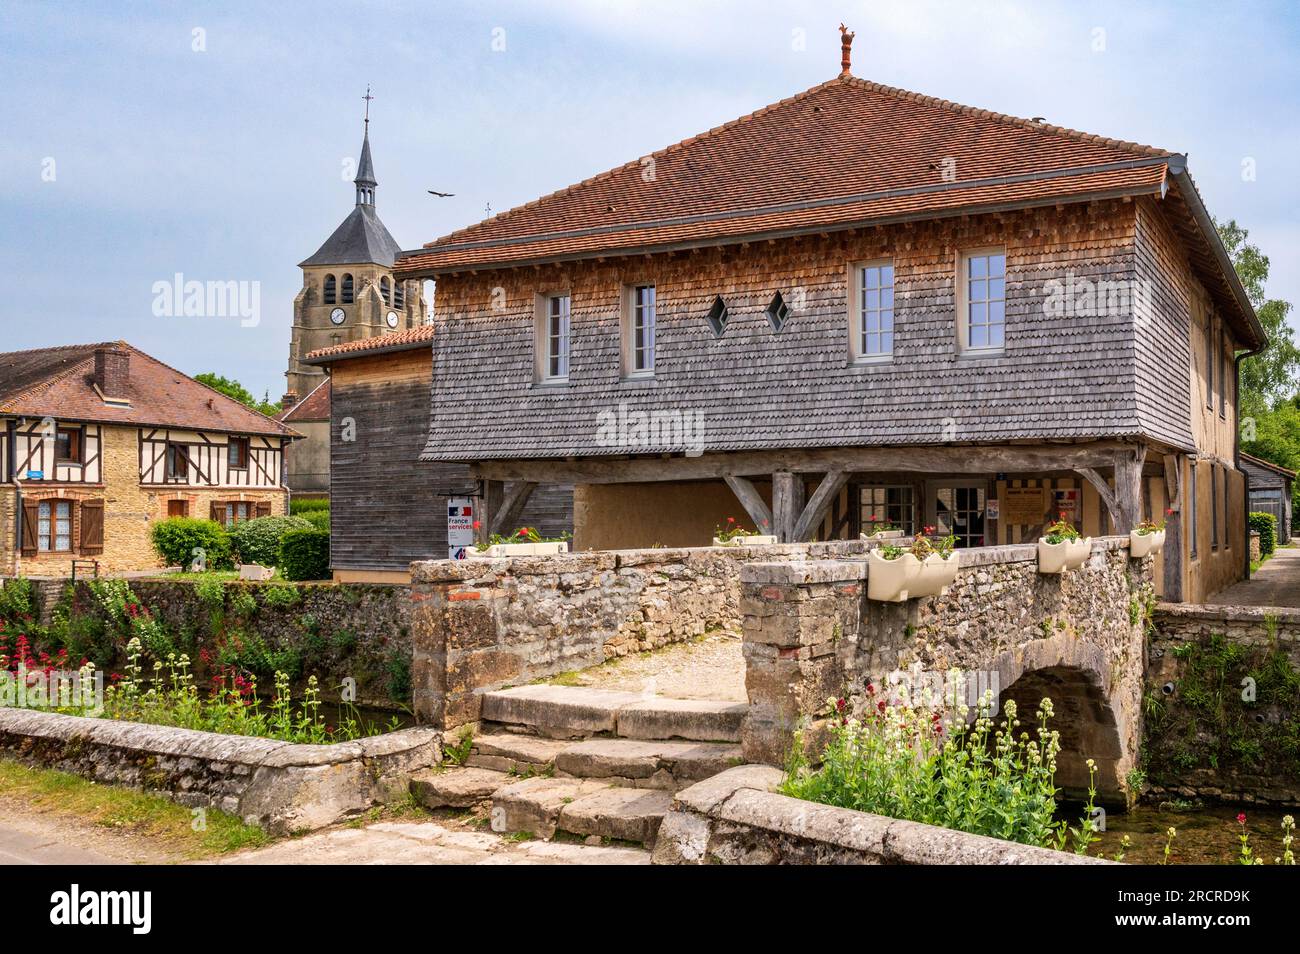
858 305
99 441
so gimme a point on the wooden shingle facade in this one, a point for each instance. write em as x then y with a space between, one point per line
904 309
1271 490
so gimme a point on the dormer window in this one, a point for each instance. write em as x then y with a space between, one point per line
347 290
331 290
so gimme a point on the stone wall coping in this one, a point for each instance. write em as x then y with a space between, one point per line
210 746
484 571
744 797
804 571
1210 611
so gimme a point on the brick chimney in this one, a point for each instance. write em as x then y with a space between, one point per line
112 372
288 400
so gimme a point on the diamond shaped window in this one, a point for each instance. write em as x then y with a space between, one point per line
717 316
778 312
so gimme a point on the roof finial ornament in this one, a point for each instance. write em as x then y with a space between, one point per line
846 47
368 98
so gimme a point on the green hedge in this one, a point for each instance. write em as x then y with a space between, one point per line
177 540
320 519
258 541
307 506
1265 524
305 554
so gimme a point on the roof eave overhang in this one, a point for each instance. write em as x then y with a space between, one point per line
1187 189
438 271
324 360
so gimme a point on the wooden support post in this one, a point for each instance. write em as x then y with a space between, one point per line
787 504
488 505
1173 552
506 517
753 503
811 518
1128 488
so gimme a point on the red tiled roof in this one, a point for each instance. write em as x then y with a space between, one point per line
846 151
59 382
393 341
314 407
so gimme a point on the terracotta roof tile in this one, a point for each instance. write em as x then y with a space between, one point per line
843 152
314 407
393 341
59 382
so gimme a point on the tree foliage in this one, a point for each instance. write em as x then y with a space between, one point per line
236 391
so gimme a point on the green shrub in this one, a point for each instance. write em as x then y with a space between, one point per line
243 602
297 506
258 541
177 541
280 596
305 554
1265 524
320 519
17 600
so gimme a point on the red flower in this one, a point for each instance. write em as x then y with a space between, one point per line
1241 818
476 524
731 520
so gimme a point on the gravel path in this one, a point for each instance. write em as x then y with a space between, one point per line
707 668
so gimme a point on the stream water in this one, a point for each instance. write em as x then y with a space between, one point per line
1206 834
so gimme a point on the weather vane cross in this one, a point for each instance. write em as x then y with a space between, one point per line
367 98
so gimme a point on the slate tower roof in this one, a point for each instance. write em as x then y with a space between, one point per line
361 238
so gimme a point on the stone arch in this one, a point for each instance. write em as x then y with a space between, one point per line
1076 675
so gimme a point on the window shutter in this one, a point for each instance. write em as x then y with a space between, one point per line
31 518
263 509
92 527
217 512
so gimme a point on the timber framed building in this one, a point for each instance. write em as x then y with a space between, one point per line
854 306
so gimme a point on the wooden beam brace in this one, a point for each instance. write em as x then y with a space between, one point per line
1104 491
752 501
513 501
813 514
787 504
964 459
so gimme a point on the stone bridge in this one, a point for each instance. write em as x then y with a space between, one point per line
810 633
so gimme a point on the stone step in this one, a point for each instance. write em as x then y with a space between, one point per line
581 807
456 787
513 752
569 712
667 766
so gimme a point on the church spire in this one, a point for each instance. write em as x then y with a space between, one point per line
365 180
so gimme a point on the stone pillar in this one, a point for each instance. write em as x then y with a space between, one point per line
800 623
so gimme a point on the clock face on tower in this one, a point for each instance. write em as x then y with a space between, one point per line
392 319
337 316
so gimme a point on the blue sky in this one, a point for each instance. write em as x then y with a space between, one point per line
225 164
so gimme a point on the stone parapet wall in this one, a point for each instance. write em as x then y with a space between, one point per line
280 786
1222 703
483 624
735 818
811 633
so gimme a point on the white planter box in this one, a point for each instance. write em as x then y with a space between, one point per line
882 535
1066 555
753 540
499 550
255 572
891 581
1145 544
937 574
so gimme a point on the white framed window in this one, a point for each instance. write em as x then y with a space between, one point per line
553 338
873 311
981 300
54 526
639 331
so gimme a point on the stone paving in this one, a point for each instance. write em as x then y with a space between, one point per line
1275 583
708 668
431 843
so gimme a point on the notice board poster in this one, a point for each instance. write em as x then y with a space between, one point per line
1023 505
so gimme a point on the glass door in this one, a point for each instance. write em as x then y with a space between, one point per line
958 509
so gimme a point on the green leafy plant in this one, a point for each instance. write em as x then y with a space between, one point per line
281 596
305 505
258 541
305 554
179 540
17 600
925 544
732 530
1265 524
1060 531
320 519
